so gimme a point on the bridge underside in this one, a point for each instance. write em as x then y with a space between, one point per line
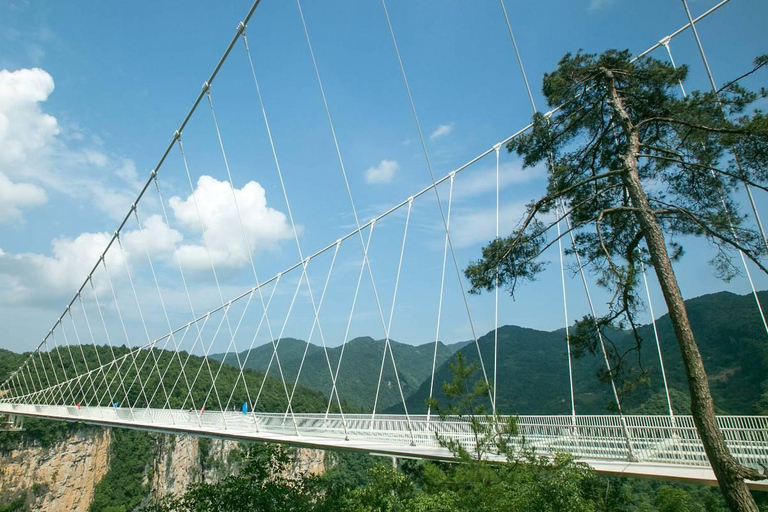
656 447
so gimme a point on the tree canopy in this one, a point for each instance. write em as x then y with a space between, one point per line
634 168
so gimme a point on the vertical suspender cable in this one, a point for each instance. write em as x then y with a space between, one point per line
459 277
567 326
495 294
315 307
440 299
599 332
391 316
658 345
717 93
722 197
366 261
559 239
334 387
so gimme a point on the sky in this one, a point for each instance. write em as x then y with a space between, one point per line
91 94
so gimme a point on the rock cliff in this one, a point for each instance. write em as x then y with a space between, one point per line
64 475
58 477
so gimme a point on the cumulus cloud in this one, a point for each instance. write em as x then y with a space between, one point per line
36 150
441 131
39 279
24 128
155 237
15 196
382 173
49 279
264 226
30 278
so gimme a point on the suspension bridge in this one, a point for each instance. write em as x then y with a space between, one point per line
122 355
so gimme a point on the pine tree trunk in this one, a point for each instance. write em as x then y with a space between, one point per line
728 471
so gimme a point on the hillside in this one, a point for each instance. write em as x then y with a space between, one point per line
360 368
533 367
184 389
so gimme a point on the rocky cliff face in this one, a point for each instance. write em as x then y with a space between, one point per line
59 477
63 476
184 460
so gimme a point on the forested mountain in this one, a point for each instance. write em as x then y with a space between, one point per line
148 377
533 365
360 367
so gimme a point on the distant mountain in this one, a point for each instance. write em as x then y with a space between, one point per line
533 365
360 367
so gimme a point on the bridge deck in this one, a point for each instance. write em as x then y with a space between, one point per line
647 446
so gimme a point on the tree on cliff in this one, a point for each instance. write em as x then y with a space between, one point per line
636 167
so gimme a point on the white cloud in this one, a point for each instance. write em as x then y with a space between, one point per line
29 278
42 280
441 131
476 182
474 227
24 128
155 236
264 226
15 196
382 173
45 280
36 150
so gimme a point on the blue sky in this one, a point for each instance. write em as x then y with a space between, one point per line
92 92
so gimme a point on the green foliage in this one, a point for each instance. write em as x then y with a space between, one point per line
491 433
263 485
122 488
39 431
388 491
622 128
348 470
19 504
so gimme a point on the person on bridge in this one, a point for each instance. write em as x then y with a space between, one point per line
245 407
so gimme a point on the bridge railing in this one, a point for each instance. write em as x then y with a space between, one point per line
656 439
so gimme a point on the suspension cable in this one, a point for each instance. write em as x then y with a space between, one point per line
346 181
440 301
437 198
278 168
717 94
722 196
